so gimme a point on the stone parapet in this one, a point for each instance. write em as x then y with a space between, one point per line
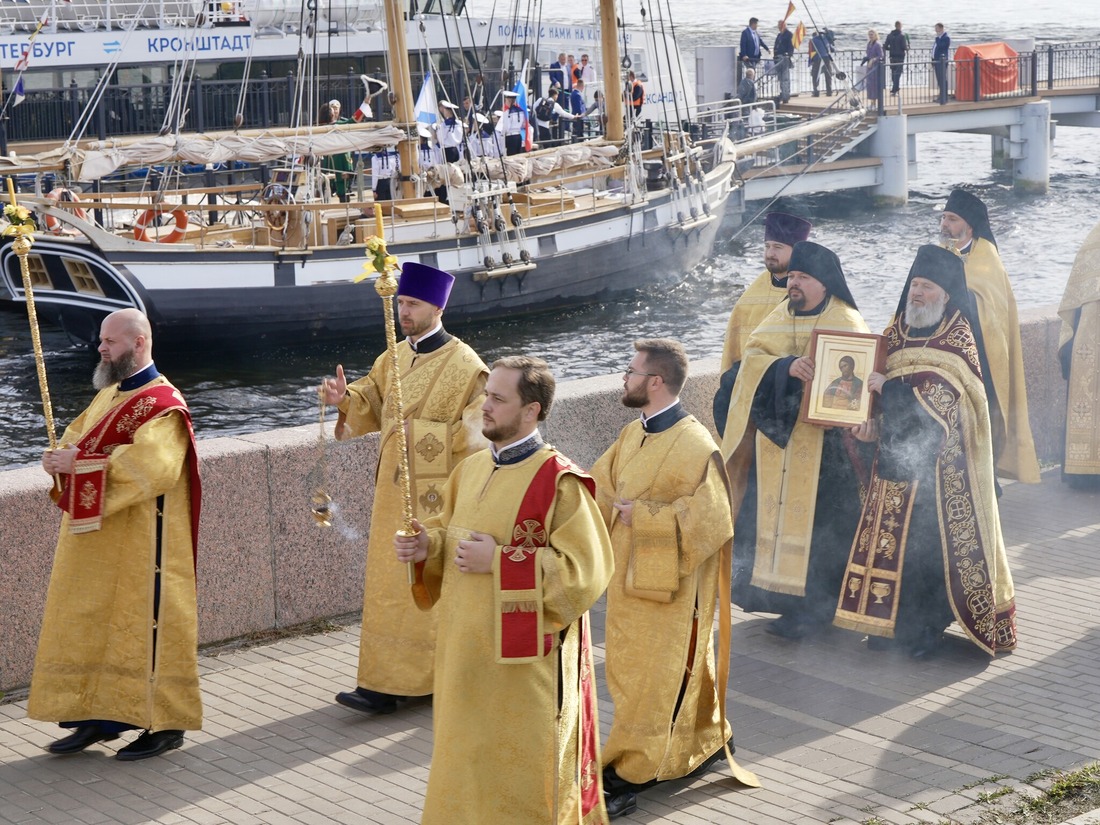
263 562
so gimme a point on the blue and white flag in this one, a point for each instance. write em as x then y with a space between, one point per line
17 94
426 110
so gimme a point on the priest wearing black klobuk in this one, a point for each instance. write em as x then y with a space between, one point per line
929 548
793 487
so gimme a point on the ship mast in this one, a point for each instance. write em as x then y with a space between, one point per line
401 77
613 80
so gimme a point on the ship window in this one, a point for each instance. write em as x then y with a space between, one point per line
650 220
40 276
548 245
84 280
430 259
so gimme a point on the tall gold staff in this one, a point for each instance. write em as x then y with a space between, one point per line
21 225
385 265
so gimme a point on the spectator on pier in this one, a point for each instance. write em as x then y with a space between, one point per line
928 549
872 62
821 57
941 53
965 229
783 53
443 381
751 44
897 45
662 491
746 89
1078 349
118 648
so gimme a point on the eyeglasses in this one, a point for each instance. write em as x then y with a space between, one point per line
630 371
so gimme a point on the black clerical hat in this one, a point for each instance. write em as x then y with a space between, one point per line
783 228
823 264
971 209
945 269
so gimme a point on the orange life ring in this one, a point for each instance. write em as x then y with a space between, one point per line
69 196
150 216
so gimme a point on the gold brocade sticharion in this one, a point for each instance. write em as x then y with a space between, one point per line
669 712
442 391
505 751
103 584
1080 333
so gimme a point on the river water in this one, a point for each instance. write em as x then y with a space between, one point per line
233 392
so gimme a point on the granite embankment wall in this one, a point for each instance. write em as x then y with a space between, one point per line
265 564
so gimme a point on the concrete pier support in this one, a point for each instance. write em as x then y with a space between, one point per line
999 152
890 142
1029 148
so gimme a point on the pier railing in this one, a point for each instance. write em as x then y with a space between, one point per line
49 114
1028 74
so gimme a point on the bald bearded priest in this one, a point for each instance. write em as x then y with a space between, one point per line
119 643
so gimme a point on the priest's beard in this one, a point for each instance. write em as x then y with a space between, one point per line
636 398
108 372
921 316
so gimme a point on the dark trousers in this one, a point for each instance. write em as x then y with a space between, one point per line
895 75
546 135
940 67
513 144
450 154
382 192
815 72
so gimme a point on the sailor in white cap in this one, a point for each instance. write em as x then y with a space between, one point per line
450 131
513 125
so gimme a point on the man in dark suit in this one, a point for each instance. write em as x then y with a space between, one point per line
751 46
941 51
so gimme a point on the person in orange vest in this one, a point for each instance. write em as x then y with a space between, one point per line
637 93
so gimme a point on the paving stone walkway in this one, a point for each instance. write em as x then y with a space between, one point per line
837 734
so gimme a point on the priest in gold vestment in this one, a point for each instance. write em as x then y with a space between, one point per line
512 563
781 233
1079 350
118 648
662 490
442 384
965 228
929 548
793 487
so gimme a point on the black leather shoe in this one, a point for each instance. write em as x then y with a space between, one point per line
787 627
708 763
368 701
927 644
620 804
151 744
77 741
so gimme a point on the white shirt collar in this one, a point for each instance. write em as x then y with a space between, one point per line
645 418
